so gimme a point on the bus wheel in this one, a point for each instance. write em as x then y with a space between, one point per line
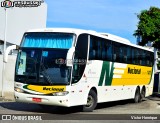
137 96
91 102
143 92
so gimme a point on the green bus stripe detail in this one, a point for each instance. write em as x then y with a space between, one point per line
25 86
106 73
105 68
111 74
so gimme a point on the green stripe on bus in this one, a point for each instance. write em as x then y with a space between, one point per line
106 73
25 86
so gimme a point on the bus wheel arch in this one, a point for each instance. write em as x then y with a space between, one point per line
91 100
137 97
94 89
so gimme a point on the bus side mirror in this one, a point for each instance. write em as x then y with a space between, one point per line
70 56
8 49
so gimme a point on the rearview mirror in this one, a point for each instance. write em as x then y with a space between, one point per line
8 49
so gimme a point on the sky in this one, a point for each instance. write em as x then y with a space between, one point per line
117 17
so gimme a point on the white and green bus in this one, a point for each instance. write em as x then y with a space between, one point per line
71 67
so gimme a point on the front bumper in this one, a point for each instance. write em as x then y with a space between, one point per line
46 100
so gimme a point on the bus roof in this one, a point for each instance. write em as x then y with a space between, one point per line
91 32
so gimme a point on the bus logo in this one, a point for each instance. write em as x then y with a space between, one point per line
7 4
134 71
106 74
53 89
20 4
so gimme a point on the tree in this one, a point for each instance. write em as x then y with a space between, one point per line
148 28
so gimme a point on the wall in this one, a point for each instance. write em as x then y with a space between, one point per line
1 67
8 84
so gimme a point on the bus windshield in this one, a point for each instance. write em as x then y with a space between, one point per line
42 59
42 67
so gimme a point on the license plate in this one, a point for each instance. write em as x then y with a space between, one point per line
36 99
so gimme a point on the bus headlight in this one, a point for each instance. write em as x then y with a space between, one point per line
60 93
18 90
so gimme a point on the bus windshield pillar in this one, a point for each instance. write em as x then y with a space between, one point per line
70 56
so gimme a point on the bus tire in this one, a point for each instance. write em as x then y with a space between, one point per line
143 93
91 102
137 96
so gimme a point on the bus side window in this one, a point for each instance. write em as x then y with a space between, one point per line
139 57
114 57
151 59
93 50
133 56
99 49
106 50
129 55
92 54
143 58
116 52
147 58
123 53
136 56
81 51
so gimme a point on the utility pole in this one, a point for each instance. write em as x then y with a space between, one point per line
4 48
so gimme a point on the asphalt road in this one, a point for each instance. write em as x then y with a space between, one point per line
119 110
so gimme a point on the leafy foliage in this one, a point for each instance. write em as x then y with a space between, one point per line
148 27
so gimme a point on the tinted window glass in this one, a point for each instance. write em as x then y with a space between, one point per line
106 50
80 57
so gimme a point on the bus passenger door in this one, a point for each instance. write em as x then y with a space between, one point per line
78 95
